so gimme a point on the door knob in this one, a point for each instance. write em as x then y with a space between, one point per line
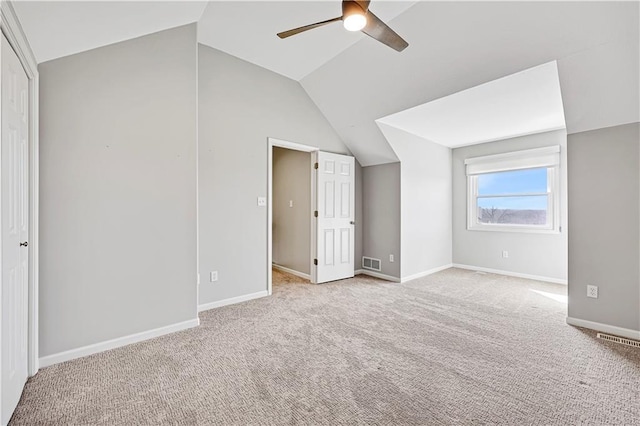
25 244
353 222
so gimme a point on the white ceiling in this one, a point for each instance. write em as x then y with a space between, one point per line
454 46
294 57
355 80
61 28
520 104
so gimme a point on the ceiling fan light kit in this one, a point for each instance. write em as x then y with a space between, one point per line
356 16
354 22
353 16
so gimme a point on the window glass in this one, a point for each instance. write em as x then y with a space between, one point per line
525 210
525 181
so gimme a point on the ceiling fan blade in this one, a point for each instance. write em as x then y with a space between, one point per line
378 30
295 31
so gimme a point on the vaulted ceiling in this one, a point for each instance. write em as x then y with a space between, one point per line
520 104
355 80
245 29
295 57
458 45
61 28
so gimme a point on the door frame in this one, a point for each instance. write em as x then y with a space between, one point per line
12 30
271 143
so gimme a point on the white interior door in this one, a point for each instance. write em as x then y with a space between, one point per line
14 174
335 195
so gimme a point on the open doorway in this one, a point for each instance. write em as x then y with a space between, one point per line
326 210
292 214
291 194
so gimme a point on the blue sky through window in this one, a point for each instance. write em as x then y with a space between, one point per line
536 202
514 182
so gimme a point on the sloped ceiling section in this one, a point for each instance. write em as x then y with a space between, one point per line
61 28
247 30
355 80
520 104
454 46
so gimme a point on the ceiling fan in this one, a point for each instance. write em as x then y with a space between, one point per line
356 16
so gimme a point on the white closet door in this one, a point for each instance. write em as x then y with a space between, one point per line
15 229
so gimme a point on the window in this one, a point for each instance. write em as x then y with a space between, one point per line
516 191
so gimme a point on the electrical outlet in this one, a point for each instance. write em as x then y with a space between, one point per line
505 254
290 203
592 291
391 258
213 276
262 201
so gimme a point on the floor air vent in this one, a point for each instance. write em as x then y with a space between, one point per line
622 340
371 263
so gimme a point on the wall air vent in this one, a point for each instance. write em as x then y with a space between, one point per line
622 340
370 263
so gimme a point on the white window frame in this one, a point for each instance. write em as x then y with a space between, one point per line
547 157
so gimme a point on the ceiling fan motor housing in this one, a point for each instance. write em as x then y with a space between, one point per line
352 8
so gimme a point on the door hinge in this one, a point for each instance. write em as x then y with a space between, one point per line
315 166
315 213
315 262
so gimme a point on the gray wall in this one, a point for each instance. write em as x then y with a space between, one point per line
292 224
543 255
118 190
240 106
381 216
604 213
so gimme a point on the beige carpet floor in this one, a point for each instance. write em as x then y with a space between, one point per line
456 347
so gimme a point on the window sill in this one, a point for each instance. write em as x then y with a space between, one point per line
523 230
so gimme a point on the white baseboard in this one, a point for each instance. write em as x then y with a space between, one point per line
116 343
377 275
511 274
232 300
291 271
605 328
425 273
